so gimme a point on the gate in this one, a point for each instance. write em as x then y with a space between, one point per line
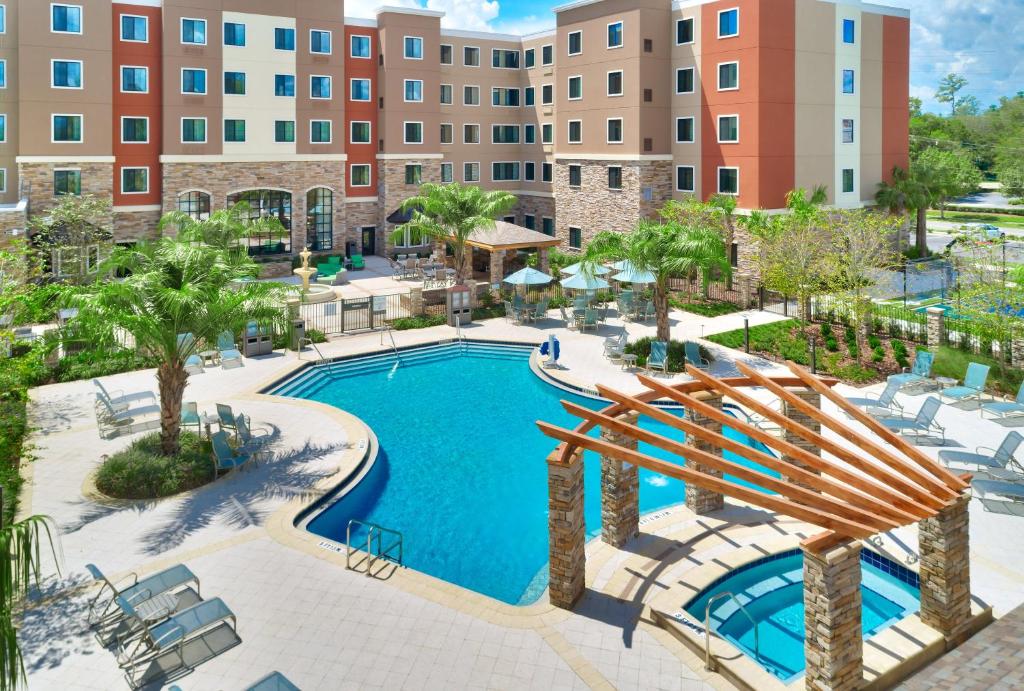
355 314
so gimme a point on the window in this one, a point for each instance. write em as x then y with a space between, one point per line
319 87
684 31
284 85
320 131
728 76
360 132
685 130
529 96
575 42
413 173
134 180
504 134
547 94
320 218
575 131
134 130
3 128
446 94
67 128
67 182
734 255
529 134
284 39
529 171
471 172
684 80
135 80
359 89
502 97
728 180
234 130
849 31
447 133
193 31
195 204
505 171
648 45
728 23
847 180
471 56
267 203
530 221
575 238
413 48
193 130
66 19
3 74
684 179
284 131
234 83
575 175
728 129
615 83
3 19
614 130
575 88
446 54
359 46
447 174
847 130
234 34
546 172
530 58
320 41
193 81
471 95
360 175
547 133
67 74
504 59
134 28
615 35
547 226
413 91
848 81
471 134
413 132
547 55
615 177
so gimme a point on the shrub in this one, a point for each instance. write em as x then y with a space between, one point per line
141 472
831 344
878 354
316 336
776 338
826 330
424 322
90 364
676 353
874 341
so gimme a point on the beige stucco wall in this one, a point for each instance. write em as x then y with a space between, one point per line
686 105
815 90
9 105
394 27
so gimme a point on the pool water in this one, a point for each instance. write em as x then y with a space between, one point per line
772 593
462 470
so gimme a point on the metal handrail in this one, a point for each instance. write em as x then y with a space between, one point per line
391 335
378 531
458 332
306 340
707 628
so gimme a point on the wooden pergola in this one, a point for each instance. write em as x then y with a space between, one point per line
875 482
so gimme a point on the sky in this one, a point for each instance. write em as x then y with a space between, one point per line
981 39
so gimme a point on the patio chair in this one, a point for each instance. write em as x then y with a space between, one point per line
194 365
997 460
920 373
224 458
570 323
589 319
358 264
171 579
579 304
1006 408
542 309
112 422
1012 493
121 401
922 424
275 681
190 415
615 346
226 418
886 403
229 354
624 307
250 442
186 343
973 387
511 313
694 357
648 312
658 359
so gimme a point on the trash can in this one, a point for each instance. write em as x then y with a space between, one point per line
298 333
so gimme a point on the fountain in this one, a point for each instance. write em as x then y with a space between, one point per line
312 293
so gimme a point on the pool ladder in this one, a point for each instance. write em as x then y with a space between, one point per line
708 664
391 336
375 548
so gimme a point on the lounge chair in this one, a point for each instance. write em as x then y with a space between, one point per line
229 354
973 387
920 373
658 359
885 404
226 418
569 322
186 344
224 458
996 460
648 311
694 357
1006 408
194 365
589 319
112 422
615 346
922 424
190 415
357 262
169 580
121 401
275 681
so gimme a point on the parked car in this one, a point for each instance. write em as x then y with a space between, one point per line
990 231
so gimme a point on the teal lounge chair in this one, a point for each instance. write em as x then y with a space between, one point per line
1006 408
229 354
186 344
275 681
997 460
920 373
251 443
974 384
194 365
694 357
922 424
658 358
226 418
169 580
190 415
885 404
224 458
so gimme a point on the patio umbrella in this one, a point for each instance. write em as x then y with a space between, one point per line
575 269
581 282
632 275
528 277
622 265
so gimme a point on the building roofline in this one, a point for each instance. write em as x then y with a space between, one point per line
870 8
408 10
483 35
540 34
361 21
578 3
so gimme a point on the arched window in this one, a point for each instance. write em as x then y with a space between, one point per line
195 204
320 219
267 203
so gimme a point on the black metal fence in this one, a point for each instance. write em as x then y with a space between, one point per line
355 314
890 320
720 291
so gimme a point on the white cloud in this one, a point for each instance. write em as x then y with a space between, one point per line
472 15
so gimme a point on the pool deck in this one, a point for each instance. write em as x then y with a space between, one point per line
302 613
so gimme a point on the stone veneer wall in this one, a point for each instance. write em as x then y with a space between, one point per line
833 641
945 570
359 214
791 411
131 226
620 490
37 178
10 220
538 206
392 191
567 534
698 499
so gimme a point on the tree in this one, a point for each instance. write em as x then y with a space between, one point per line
951 172
909 191
949 87
915 107
224 229
1010 174
718 212
451 213
968 105
73 237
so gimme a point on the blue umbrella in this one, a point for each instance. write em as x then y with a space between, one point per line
528 277
581 282
632 275
622 265
598 270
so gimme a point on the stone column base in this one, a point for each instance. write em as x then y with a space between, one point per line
567 535
791 411
698 499
833 643
945 569
620 491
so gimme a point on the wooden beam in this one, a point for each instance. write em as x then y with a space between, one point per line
914 453
709 482
823 542
864 483
911 470
798 493
855 496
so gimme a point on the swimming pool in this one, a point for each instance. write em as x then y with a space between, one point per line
771 590
461 470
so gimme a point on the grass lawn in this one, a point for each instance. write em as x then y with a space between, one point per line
952 362
1002 220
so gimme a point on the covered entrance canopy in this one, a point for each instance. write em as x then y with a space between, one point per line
507 237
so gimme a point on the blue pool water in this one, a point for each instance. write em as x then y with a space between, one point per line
461 470
772 593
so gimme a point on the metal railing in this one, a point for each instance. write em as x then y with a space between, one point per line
707 628
303 342
391 336
375 548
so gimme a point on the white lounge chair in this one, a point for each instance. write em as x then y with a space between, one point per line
194 365
112 422
615 346
1012 493
229 353
119 400
134 591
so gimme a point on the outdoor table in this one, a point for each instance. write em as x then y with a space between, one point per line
208 419
157 608
209 356
628 361
944 383
527 311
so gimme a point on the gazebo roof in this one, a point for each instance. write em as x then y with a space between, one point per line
509 236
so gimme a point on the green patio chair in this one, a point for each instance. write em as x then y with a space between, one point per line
224 458
974 384
357 262
658 359
226 418
694 357
542 309
589 319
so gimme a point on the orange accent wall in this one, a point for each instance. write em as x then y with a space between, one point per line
895 94
358 68
138 105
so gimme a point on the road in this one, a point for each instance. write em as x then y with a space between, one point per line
937 241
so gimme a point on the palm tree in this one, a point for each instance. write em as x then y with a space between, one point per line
909 191
664 249
450 213
225 229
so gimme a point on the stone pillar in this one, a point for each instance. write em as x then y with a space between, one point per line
543 265
416 300
936 326
833 641
746 290
699 500
945 570
474 301
566 533
620 490
497 266
1017 352
467 262
791 411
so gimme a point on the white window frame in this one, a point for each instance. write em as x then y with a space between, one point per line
53 177
351 131
451 88
464 49
693 129
276 75
369 82
568 87
224 131
476 178
181 31
622 32
506 89
622 84
471 124
121 180
330 82
568 237
552 47
120 27
718 23
3 131
471 86
622 130
518 177
54 140
224 83
134 117
294 37
693 178
548 218
675 87
534 217
206 82
530 50
81 18
422 47
693 31
331 128
451 170
369 40
532 178
352 177
3 180
405 132
568 132
181 130
552 101
506 124
330 41
620 187
718 180
3 16
853 131
452 126
294 130
506 50
81 71
120 78
842 81
440 52
405 92
550 140
568 42
718 128
853 172
718 76
529 127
